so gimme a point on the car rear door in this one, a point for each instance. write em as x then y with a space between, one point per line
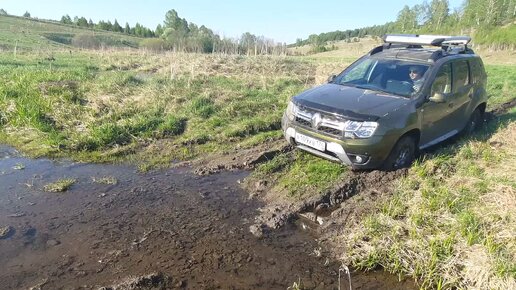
436 117
462 92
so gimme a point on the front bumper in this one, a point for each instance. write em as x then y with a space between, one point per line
372 151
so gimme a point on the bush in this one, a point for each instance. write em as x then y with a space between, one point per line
153 44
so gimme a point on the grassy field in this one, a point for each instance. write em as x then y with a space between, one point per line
44 36
450 222
453 212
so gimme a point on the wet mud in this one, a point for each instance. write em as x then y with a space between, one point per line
167 229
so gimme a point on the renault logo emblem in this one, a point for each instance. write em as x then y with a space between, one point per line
316 120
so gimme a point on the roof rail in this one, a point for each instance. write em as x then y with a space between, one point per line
434 40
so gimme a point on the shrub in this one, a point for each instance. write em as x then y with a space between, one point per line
153 44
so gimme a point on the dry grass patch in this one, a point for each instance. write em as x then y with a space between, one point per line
108 180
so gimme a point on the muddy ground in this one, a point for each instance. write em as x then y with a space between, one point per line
160 230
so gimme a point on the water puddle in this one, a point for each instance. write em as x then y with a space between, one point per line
114 223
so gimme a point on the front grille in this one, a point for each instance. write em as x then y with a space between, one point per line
303 122
321 122
331 131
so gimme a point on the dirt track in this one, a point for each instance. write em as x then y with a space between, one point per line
192 231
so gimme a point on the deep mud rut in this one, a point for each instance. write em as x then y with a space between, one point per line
160 230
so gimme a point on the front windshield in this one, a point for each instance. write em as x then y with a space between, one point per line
392 76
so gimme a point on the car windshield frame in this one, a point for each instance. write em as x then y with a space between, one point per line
386 75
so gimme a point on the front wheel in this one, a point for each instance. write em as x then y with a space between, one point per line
402 155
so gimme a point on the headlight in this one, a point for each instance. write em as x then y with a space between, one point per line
355 129
291 111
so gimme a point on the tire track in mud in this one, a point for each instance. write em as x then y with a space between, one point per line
320 207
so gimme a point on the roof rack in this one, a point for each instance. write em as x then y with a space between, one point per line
449 44
433 40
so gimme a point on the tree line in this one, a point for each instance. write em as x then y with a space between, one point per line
138 30
178 34
479 17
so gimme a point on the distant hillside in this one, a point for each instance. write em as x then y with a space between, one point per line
30 34
491 24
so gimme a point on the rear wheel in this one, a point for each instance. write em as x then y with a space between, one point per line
402 155
474 122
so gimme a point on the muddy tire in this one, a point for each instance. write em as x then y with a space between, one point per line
474 122
402 155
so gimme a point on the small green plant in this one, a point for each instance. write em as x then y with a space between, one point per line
60 185
19 166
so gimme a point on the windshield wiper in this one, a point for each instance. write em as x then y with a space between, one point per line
347 85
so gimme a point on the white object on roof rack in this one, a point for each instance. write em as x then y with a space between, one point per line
435 40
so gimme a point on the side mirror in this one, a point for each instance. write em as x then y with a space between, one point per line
331 78
437 98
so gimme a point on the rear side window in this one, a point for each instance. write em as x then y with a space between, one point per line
477 71
442 82
460 74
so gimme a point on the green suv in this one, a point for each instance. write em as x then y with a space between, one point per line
410 93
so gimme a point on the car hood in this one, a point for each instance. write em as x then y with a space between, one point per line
351 102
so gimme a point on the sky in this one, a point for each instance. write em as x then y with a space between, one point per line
283 21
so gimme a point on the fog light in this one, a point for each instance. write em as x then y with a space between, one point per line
358 159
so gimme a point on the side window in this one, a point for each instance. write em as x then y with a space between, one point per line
442 83
460 75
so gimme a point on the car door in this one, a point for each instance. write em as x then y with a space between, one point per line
462 92
436 116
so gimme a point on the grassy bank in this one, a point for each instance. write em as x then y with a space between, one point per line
451 222
117 106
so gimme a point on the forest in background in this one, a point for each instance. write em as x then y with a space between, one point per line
490 22
175 34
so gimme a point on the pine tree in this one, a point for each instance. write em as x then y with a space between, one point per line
159 30
26 14
117 27
66 19
3 12
82 22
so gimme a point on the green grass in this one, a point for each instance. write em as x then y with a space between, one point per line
450 223
298 174
112 106
501 84
60 185
497 36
